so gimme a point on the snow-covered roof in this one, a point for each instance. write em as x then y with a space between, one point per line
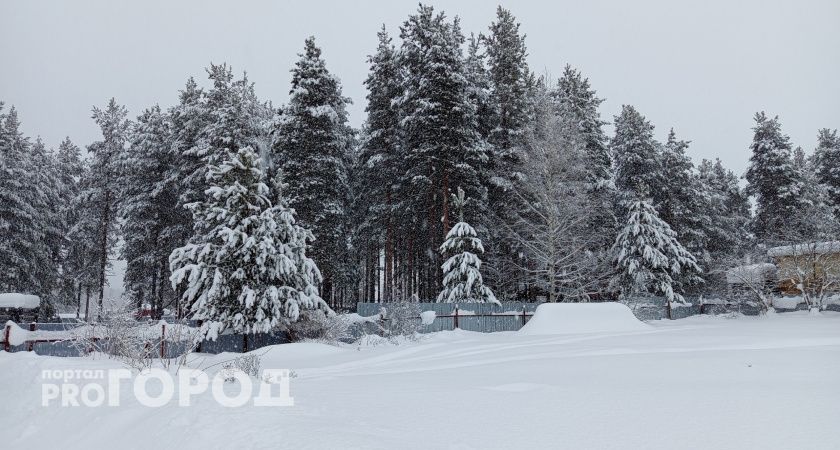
15 300
805 248
753 273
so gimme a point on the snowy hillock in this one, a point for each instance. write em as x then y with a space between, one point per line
565 318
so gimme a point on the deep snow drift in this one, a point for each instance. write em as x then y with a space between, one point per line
570 318
697 383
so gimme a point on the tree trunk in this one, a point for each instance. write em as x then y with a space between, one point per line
445 197
87 303
103 248
78 300
153 297
389 253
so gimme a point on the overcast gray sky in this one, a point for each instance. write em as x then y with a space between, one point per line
702 67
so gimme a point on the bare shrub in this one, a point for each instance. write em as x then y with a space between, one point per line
320 326
137 344
248 364
401 319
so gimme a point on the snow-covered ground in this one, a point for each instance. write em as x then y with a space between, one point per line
702 382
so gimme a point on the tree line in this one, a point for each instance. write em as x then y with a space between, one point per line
226 203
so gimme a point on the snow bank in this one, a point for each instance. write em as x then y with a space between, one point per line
563 318
15 300
17 335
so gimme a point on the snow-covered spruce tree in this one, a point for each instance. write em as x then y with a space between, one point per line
462 282
375 171
440 146
771 178
648 256
311 147
246 269
101 188
827 160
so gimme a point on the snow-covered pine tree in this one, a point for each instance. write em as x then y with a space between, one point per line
771 178
146 208
635 153
729 209
827 159
101 190
46 184
311 148
581 101
376 171
507 119
462 281
684 200
188 120
83 238
479 87
439 141
648 256
246 269
509 75
70 168
815 220
20 233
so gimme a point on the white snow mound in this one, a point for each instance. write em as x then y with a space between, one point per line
566 318
14 300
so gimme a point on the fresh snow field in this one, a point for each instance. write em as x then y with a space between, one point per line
703 382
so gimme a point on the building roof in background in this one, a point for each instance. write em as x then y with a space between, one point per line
805 248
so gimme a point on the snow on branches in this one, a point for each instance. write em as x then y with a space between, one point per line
246 268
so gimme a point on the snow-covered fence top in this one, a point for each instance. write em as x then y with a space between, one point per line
483 317
446 309
15 300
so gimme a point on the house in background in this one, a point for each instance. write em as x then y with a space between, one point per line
814 266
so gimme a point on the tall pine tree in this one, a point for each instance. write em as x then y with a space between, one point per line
440 146
772 179
311 148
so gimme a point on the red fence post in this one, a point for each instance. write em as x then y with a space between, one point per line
31 343
524 316
6 333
